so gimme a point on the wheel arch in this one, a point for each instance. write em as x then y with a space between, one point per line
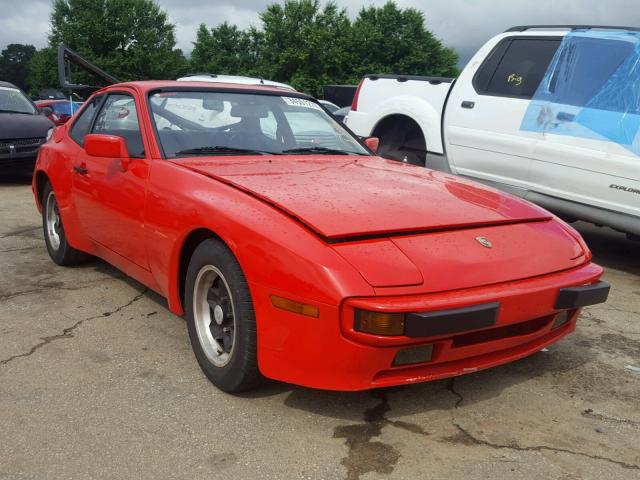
188 246
400 132
40 180
384 123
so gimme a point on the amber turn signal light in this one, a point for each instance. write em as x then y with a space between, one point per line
379 323
295 307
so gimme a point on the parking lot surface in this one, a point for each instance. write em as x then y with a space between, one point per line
97 380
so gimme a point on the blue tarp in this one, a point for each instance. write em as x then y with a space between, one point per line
591 89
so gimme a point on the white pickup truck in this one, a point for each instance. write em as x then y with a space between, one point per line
549 113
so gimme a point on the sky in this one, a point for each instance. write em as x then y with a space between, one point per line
462 24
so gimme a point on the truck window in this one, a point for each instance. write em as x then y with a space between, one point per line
516 67
584 66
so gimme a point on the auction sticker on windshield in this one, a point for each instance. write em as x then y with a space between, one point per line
301 102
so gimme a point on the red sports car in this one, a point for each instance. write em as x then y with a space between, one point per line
295 253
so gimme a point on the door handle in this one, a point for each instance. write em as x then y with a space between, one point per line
79 169
565 117
468 104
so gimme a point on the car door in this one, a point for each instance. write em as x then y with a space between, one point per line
486 106
110 199
587 113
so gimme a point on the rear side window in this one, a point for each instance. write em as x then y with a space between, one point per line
81 126
119 116
516 67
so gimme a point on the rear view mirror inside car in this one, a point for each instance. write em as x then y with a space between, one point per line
249 110
213 104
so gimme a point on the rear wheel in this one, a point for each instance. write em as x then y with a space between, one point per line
220 318
54 235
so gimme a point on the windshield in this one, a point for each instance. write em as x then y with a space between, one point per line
219 123
13 100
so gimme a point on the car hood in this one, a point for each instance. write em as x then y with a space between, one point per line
20 125
342 198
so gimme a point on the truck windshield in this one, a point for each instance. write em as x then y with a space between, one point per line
13 100
221 123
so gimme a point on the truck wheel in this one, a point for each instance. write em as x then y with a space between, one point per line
54 236
220 318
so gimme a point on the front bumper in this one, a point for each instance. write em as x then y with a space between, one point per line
328 353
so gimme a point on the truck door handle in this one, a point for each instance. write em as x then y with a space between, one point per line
468 104
79 169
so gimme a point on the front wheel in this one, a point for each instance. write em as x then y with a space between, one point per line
54 235
220 318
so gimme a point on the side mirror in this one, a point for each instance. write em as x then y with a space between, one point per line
372 143
107 146
46 111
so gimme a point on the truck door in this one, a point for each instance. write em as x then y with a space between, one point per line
587 113
487 104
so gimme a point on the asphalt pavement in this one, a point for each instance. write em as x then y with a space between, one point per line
97 380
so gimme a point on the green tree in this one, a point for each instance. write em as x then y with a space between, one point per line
226 49
304 44
308 45
14 64
130 39
43 71
389 39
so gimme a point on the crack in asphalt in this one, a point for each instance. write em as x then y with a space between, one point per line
450 387
20 232
20 249
587 315
601 416
44 288
605 306
68 331
468 438
465 437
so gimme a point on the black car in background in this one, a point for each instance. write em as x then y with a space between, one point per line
23 128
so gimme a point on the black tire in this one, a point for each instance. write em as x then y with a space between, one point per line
60 251
240 373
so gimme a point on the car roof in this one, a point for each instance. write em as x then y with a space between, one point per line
8 85
145 86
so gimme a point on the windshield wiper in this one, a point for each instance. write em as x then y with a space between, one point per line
220 149
321 150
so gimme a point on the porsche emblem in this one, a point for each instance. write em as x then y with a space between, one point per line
484 242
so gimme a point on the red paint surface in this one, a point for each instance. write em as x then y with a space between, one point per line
281 217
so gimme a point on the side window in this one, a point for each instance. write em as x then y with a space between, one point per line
81 126
585 65
119 116
516 67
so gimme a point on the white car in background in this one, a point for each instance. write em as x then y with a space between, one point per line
215 78
549 113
